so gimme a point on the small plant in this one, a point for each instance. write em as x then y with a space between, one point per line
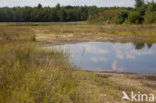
100 20
33 38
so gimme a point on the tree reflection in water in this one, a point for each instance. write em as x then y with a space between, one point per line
141 45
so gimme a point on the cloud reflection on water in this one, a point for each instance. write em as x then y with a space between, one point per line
113 56
98 59
129 52
95 49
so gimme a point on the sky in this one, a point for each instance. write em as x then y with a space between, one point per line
52 3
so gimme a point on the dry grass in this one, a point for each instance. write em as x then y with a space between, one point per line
108 87
80 30
29 74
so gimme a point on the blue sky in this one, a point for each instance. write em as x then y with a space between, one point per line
52 3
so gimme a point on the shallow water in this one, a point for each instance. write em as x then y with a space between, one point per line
107 56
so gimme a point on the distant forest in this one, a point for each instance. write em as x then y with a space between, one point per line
47 14
141 13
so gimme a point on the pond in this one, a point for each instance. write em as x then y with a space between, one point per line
107 56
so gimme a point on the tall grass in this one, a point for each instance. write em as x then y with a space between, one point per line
31 75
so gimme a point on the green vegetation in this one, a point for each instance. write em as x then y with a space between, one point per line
142 13
150 14
109 15
139 3
135 17
47 14
150 17
121 17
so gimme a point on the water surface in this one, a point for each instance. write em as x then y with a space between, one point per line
107 56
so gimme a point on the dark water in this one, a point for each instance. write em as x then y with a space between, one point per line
106 56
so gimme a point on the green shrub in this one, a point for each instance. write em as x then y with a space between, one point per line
151 6
135 17
119 20
150 17
121 17
100 20
141 10
139 3
105 16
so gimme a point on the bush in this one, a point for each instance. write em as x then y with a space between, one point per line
150 17
151 6
135 17
105 16
141 10
121 17
119 20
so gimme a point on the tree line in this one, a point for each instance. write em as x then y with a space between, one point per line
142 13
47 14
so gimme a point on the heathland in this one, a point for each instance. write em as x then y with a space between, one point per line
29 74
